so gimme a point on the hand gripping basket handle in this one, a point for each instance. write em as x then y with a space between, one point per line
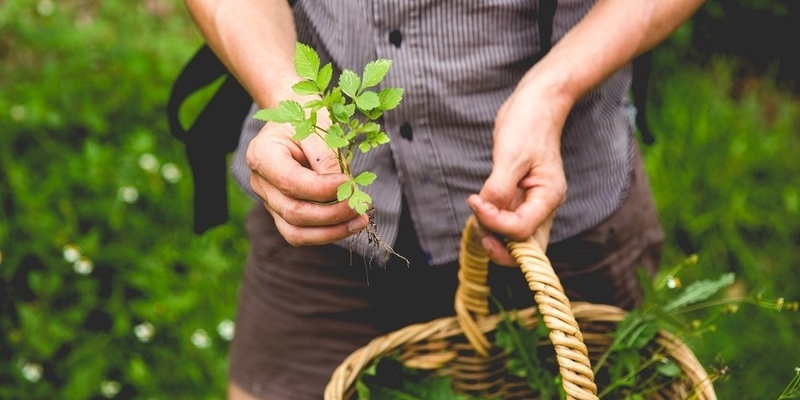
472 300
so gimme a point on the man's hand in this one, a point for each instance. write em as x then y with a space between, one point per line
297 182
527 182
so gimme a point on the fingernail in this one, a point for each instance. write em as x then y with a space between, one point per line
487 244
356 224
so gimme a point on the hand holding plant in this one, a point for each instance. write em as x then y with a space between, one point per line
341 102
352 108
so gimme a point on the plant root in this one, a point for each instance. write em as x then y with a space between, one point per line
376 245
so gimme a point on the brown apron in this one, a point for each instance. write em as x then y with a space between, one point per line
302 310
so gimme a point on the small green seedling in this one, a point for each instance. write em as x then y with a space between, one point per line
353 109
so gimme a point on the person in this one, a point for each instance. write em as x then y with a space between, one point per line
515 111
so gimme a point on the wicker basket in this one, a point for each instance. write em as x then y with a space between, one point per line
458 346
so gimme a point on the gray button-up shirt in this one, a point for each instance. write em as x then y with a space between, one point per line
458 61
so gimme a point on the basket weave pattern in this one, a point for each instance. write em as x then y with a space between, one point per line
458 346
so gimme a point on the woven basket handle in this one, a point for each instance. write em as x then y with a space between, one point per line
472 300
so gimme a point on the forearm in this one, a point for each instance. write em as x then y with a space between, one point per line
610 36
255 39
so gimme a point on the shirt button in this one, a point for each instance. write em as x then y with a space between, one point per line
395 38
405 131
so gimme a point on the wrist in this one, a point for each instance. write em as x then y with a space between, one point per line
550 88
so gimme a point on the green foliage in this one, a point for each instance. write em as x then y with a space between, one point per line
346 131
388 379
724 173
104 289
524 360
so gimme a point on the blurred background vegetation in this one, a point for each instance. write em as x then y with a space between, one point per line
105 292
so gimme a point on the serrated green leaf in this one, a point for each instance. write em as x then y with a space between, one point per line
344 190
287 111
314 105
374 72
374 114
349 82
359 201
335 141
306 62
390 98
367 101
382 138
370 128
364 147
342 113
335 96
305 87
324 77
700 290
303 129
365 178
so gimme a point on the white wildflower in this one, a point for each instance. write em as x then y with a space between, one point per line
45 8
200 339
128 194
673 282
71 253
144 331
83 266
110 389
226 328
148 162
32 371
171 173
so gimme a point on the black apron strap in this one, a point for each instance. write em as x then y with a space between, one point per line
547 12
642 66
213 135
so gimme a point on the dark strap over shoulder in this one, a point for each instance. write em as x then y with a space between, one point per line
213 135
642 66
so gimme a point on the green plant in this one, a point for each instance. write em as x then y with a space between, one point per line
340 103
792 390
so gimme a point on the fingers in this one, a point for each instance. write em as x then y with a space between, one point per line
496 248
298 182
286 166
517 222
319 235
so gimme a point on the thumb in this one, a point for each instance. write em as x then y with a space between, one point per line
500 188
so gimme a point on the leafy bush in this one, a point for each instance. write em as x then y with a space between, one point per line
723 169
105 289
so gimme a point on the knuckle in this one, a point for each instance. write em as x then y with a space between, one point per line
284 183
292 213
328 163
293 237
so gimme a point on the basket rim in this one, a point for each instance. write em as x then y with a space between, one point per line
447 328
